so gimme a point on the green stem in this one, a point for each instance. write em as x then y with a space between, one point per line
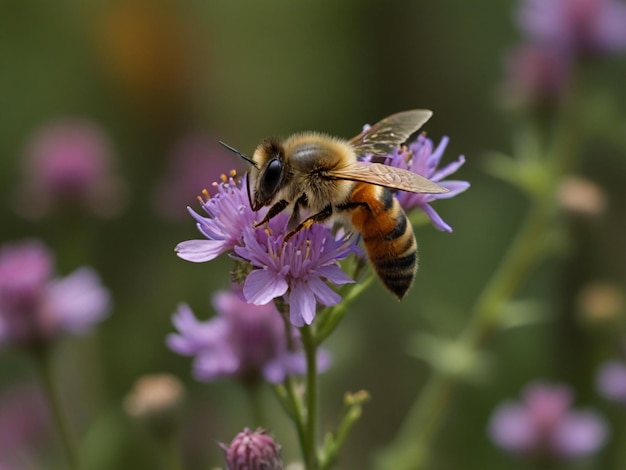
295 410
43 362
423 420
171 452
256 408
310 349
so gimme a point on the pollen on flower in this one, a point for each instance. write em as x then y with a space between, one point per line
233 173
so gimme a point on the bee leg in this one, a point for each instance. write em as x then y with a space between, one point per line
272 212
302 201
323 215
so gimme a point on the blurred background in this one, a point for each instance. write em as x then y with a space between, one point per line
156 83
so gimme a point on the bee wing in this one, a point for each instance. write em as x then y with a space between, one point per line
387 176
392 131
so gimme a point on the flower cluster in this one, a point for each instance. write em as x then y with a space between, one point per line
244 341
35 307
543 425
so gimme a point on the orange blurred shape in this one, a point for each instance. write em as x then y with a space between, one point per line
147 50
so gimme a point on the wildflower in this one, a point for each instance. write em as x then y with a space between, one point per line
195 159
544 425
600 301
535 75
155 401
229 212
69 164
580 196
244 341
298 269
34 307
252 451
580 28
419 157
611 381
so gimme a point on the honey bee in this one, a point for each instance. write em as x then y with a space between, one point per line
324 176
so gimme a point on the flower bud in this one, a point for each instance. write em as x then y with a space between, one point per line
253 451
155 400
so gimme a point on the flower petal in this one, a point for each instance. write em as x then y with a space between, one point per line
448 169
262 286
199 251
511 428
301 305
334 274
324 294
77 301
455 187
435 218
579 433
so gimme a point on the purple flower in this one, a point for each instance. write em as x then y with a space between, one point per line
69 163
535 75
576 27
35 307
196 159
298 269
229 213
611 381
419 157
244 341
252 451
544 425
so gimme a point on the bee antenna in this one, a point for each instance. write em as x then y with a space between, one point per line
242 155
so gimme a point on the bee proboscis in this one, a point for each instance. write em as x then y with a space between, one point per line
324 176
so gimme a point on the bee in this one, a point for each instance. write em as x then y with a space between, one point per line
325 176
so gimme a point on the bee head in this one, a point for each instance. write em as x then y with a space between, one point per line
268 173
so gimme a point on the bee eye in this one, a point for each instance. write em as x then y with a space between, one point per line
271 178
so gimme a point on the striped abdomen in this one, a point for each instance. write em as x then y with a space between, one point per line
387 235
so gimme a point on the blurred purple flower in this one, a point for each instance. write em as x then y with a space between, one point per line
69 164
535 75
252 451
298 269
195 160
229 212
611 381
544 425
576 27
419 157
35 307
23 422
244 341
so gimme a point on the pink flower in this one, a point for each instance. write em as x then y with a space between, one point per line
36 307
69 164
243 341
544 424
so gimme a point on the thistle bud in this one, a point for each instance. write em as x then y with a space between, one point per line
252 451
